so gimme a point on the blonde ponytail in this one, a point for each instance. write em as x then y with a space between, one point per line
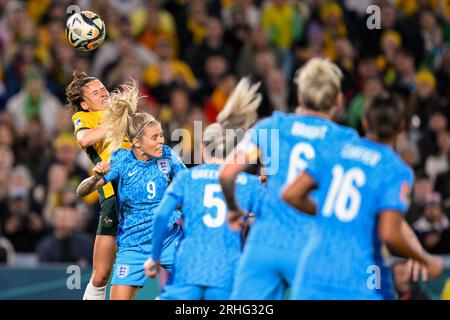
121 119
239 113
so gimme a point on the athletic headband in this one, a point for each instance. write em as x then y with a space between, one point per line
139 132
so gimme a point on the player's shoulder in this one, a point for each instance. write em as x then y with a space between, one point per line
390 161
395 163
79 118
168 153
271 121
121 154
86 119
344 133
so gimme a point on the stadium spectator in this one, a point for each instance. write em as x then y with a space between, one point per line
428 140
423 186
282 22
7 254
109 52
65 244
250 13
433 228
372 87
175 115
34 101
424 100
259 41
21 225
277 90
168 72
438 163
6 164
216 66
213 44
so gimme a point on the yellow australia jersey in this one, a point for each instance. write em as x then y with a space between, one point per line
98 151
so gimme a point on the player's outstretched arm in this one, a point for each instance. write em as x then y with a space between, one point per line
94 182
227 177
88 137
391 232
296 194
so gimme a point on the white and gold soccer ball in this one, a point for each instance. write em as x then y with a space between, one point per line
85 30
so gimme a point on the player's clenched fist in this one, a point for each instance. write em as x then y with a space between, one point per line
100 169
151 268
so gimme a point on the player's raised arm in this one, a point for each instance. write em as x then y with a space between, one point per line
89 137
94 182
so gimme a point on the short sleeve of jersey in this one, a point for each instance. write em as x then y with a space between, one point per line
83 120
396 188
176 165
115 165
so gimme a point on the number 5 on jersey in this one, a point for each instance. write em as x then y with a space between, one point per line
210 201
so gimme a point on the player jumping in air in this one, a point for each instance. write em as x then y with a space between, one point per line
88 97
207 256
142 175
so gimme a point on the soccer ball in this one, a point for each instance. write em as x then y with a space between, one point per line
85 30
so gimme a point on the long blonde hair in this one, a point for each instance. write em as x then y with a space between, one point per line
121 118
239 113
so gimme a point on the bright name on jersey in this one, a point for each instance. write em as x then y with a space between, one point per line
308 132
365 155
214 174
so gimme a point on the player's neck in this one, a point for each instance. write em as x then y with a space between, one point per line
141 156
373 137
308 112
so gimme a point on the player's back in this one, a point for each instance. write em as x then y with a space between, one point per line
210 250
287 143
357 180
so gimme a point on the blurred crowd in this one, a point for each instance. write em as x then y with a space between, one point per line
187 57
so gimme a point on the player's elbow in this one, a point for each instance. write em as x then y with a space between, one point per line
84 142
226 175
387 236
289 198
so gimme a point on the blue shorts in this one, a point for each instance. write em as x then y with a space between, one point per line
264 273
175 291
129 265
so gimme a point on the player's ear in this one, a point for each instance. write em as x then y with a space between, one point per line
84 106
136 143
339 101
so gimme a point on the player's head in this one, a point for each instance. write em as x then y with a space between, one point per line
384 117
319 86
218 142
238 114
121 119
86 93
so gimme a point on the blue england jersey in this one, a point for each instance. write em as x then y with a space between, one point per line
287 143
141 186
357 180
209 251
